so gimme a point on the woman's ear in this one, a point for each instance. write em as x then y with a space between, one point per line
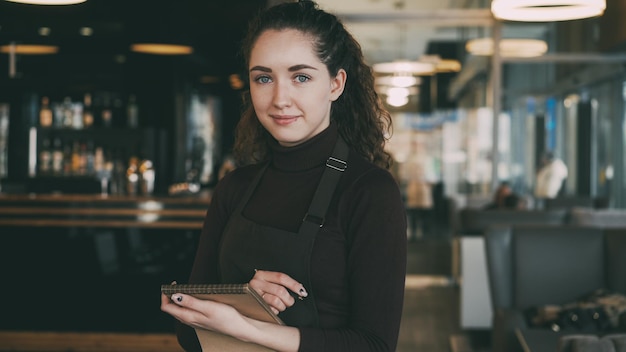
337 84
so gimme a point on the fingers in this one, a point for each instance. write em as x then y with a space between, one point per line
281 279
204 314
275 302
275 288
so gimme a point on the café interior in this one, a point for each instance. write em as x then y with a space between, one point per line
480 93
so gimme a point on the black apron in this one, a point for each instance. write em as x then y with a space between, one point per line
247 246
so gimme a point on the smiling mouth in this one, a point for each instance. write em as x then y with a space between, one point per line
284 119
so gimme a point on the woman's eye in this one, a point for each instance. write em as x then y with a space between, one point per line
263 79
302 78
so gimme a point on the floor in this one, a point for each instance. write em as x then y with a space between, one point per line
430 320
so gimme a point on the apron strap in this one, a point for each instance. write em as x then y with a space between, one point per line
335 166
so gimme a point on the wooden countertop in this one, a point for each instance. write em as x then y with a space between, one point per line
80 210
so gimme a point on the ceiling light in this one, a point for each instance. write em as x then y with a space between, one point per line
546 10
49 2
442 65
508 47
406 67
397 101
161 49
397 96
86 31
398 81
29 49
235 81
44 31
448 65
398 92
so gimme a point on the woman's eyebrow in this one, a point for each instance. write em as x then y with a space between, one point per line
261 68
301 67
291 69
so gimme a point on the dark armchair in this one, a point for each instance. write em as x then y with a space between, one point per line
530 266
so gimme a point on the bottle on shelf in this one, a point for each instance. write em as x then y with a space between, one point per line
90 165
132 112
106 115
88 118
59 114
68 112
146 179
132 176
77 116
82 159
45 113
75 168
98 160
57 157
67 159
45 157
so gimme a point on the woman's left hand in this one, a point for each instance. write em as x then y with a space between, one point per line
215 316
274 287
205 314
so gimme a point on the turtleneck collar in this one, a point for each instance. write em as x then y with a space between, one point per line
307 155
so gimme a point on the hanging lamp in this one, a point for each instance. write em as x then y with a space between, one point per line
161 49
48 2
546 10
28 49
513 47
405 67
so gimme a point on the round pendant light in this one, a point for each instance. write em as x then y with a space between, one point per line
161 49
29 49
402 80
48 2
508 47
546 10
405 67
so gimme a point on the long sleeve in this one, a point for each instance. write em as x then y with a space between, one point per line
375 221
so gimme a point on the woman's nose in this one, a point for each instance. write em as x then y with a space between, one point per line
282 95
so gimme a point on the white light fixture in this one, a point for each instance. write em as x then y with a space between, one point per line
399 96
448 65
508 47
44 31
161 49
86 31
546 10
397 101
49 2
405 67
398 80
442 65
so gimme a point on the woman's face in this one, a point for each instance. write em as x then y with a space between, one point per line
291 89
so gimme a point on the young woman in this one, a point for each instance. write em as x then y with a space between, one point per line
309 91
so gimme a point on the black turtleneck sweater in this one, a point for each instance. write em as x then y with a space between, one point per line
360 266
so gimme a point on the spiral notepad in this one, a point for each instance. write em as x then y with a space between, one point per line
242 297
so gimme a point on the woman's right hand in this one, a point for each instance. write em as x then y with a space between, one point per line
275 289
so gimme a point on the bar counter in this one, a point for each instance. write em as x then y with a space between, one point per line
103 211
83 272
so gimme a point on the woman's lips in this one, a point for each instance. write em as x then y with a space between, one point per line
284 119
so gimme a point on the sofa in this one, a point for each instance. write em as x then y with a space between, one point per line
537 265
468 256
605 218
476 221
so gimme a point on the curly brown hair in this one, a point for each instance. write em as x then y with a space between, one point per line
361 119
